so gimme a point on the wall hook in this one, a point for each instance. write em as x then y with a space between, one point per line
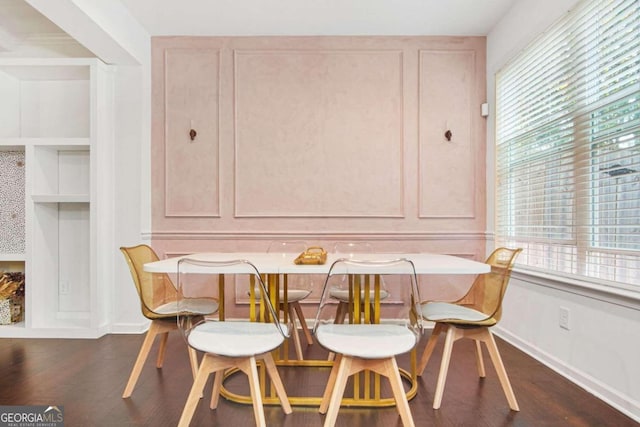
192 134
448 135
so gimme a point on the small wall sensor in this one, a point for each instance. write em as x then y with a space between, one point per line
484 109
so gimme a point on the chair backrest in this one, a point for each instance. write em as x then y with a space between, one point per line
488 289
154 289
351 249
201 281
366 280
287 247
289 250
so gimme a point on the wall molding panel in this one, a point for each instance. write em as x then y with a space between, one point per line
446 104
321 118
318 139
191 102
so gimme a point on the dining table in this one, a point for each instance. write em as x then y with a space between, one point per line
277 267
274 263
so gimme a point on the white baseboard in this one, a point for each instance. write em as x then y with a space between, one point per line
130 328
54 333
612 397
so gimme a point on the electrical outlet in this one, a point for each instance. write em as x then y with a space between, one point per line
564 318
64 287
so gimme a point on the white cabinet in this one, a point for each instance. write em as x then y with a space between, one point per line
58 113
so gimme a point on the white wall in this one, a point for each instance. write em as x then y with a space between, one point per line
109 31
601 349
132 184
131 181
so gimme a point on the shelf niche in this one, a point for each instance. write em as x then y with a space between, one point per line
12 207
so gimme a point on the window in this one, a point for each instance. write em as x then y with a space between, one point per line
568 146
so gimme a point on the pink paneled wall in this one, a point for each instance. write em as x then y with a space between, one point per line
320 139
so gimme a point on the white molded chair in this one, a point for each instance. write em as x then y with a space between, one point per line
227 344
472 316
371 340
294 294
340 292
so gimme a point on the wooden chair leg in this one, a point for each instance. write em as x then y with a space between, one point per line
270 365
338 390
215 390
294 332
303 323
349 366
324 405
341 312
161 350
154 329
206 367
341 315
249 367
479 359
393 373
502 373
452 336
430 346
193 361
218 364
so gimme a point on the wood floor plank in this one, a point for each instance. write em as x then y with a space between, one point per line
87 377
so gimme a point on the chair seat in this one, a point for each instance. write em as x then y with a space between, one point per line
366 341
343 294
445 312
293 295
235 339
193 305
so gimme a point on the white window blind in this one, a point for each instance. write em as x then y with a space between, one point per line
568 146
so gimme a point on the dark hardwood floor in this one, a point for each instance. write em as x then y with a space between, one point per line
87 377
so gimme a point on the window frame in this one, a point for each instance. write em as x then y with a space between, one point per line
583 208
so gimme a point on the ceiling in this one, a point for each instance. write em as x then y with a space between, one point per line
318 17
25 32
18 22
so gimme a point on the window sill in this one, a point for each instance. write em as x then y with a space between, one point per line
580 286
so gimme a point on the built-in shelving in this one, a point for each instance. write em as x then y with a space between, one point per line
58 112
